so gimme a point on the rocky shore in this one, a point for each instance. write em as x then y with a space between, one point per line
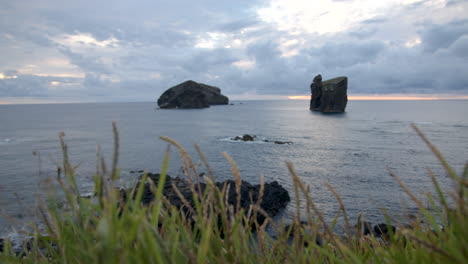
275 197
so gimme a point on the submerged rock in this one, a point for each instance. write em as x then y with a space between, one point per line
329 96
191 94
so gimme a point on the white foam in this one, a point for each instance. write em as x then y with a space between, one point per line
7 141
16 238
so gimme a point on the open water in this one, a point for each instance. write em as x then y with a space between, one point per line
351 151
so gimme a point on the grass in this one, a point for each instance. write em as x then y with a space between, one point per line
108 229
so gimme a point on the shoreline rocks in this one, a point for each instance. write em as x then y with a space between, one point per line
275 197
191 95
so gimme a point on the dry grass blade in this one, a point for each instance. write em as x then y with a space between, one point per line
438 190
115 158
182 198
188 163
410 194
98 159
237 178
309 213
437 153
342 207
433 248
463 185
259 199
297 218
314 207
205 162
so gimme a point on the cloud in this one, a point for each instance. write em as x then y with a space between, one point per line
348 54
124 50
438 36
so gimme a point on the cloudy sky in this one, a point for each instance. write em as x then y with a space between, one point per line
113 50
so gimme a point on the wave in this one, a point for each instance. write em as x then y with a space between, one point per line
6 141
423 123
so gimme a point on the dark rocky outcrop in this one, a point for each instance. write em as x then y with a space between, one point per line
191 94
384 230
275 197
329 96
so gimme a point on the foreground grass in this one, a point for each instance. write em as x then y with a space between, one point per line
108 229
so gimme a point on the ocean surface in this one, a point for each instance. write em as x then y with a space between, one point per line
351 151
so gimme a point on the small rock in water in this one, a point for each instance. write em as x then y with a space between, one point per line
248 137
282 142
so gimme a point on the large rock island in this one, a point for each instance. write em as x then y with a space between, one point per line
329 96
191 94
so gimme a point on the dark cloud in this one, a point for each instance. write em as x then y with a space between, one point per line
417 4
375 20
203 61
460 47
348 54
451 3
363 33
87 63
238 25
438 36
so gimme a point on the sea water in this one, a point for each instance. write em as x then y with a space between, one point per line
351 151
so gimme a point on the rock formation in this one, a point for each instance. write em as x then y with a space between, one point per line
275 197
329 96
191 94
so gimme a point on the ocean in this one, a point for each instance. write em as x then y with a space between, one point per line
352 151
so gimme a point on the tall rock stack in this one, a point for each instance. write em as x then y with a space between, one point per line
329 96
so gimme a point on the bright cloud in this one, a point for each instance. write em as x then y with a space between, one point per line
85 39
3 76
244 64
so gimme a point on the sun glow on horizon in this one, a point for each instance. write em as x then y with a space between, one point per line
387 97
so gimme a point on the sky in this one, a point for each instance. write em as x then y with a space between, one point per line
113 50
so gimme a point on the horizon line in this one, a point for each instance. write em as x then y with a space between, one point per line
388 98
396 97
